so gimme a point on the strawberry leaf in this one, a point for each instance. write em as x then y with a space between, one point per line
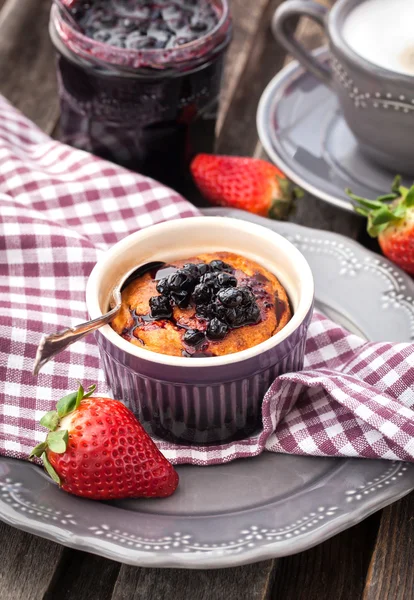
50 420
38 450
395 187
409 199
79 396
383 215
90 391
387 197
50 469
57 441
66 404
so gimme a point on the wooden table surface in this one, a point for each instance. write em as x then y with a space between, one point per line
372 560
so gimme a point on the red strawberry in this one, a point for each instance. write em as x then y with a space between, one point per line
247 183
97 449
391 219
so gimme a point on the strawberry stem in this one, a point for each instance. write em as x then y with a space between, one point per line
381 212
50 469
57 440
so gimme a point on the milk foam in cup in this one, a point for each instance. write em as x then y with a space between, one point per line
382 32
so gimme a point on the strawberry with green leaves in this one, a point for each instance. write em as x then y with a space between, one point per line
249 184
391 220
97 449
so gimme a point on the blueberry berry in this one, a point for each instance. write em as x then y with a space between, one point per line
163 287
210 279
248 295
230 297
181 298
192 337
192 269
202 294
226 280
160 307
252 314
179 281
203 269
219 265
216 329
198 26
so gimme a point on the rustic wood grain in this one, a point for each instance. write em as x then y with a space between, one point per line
391 573
246 19
27 564
27 66
335 569
250 582
82 576
265 58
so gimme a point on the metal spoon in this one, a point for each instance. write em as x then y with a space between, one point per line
54 343
68 15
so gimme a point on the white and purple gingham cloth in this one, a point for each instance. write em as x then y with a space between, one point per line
59 209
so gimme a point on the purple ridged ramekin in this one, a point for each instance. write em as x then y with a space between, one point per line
201 400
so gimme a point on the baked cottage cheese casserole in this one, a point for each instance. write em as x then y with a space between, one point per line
207 305
207 388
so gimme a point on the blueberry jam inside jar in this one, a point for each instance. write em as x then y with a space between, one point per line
139 82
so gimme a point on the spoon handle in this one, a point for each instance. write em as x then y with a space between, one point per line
52 344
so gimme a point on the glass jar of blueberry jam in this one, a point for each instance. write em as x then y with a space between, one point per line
139 80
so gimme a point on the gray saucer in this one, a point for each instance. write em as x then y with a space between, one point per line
303 132
250 509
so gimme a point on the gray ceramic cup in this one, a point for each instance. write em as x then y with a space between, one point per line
378 104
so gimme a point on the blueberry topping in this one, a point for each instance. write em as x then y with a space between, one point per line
230 297
252 314
192 269
198 26
202 294
182 22
216 329
160 307
143 44
226 280
128 25
219 265
192 337
210 279
212 289
203 269
161 43
181 299
163 287
179 281
248 295
101 36
108 20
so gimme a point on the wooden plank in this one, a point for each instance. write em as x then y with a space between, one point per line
246 18
238 133
334 569
27 564
82 576
391 573
27 65
250 582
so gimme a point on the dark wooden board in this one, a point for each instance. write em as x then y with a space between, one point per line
391 573
27 564
250 582
335 569
27 63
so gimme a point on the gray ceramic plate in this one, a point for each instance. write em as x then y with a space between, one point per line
252 509
304 133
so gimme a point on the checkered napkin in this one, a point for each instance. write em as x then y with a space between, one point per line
59 209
